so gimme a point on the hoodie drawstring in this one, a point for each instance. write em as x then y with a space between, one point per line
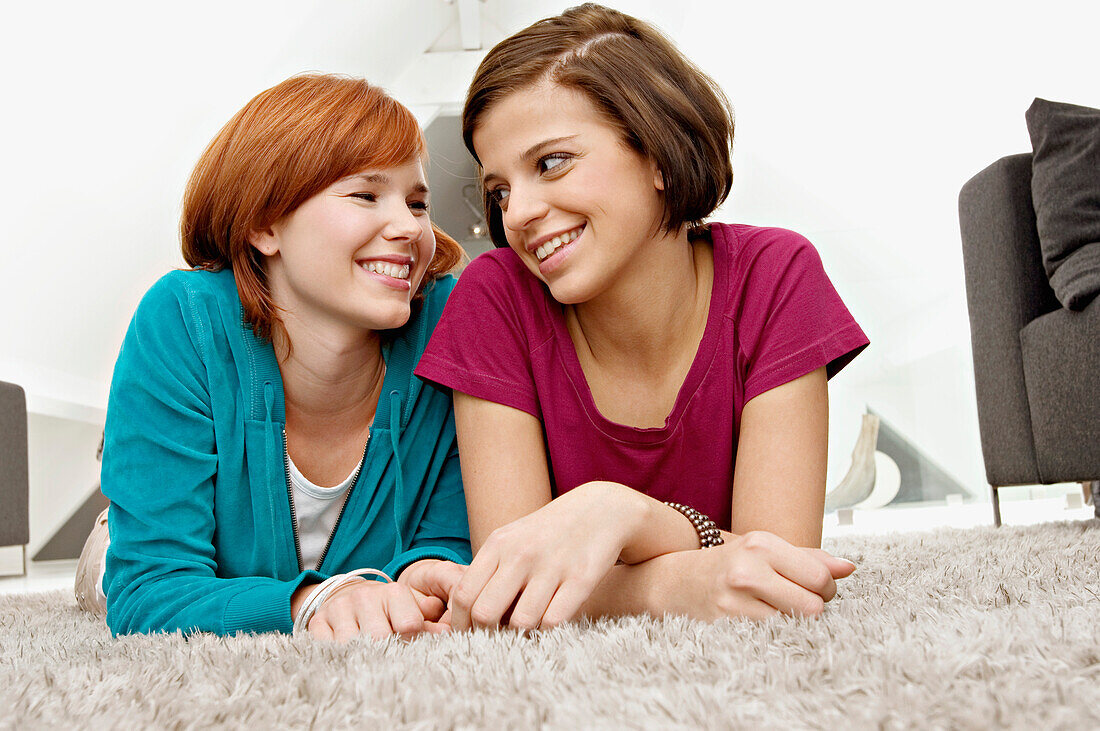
269 452
398 495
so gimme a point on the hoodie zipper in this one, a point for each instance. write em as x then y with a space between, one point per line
294 512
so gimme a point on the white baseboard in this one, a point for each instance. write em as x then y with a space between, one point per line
11 560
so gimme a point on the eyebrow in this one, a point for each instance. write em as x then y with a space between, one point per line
383 179
531 152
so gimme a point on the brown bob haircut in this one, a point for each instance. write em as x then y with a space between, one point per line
286 145
663 106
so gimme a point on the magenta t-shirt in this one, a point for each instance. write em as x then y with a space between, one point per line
774 316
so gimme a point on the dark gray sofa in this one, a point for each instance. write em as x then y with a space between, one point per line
1036 365
14 515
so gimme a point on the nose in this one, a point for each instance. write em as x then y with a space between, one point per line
524 206
402 224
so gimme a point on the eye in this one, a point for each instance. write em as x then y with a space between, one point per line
421 206
550 163
499 195
368 197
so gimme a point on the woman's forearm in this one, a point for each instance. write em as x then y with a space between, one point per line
633 589
652 530
656 586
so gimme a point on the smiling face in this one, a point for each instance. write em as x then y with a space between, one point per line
355 253
578 206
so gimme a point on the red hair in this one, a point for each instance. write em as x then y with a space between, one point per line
286 145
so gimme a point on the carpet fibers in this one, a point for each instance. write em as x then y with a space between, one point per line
950 629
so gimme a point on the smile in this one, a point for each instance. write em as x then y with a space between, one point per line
544 251
386 269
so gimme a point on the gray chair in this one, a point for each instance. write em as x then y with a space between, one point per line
14 486
1036 365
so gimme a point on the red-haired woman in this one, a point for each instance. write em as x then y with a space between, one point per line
635 369
269 454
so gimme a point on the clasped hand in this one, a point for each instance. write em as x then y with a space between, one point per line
538 571
415 603
755 575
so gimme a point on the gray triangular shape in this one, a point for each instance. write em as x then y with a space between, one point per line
922 479
68 540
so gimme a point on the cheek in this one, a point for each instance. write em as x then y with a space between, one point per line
425 249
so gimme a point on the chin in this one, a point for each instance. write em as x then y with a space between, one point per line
563 288
391 318
570 293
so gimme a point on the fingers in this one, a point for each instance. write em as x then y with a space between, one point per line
340 617
755 609
402 611
565 605
787 597
804 567
437 628
432 607
442 579
531 607
508 595
466 592
369 608
498 596
320 629
839 567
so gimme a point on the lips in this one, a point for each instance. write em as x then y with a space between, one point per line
393 270
545 249
397 271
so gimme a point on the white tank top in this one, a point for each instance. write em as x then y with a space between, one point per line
317 510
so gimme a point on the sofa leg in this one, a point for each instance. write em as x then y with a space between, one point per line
996 507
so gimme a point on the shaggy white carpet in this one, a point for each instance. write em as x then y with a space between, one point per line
952 629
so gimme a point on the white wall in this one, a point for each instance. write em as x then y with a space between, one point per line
857 124
107 107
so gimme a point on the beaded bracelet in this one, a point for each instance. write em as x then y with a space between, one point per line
709 535
325 589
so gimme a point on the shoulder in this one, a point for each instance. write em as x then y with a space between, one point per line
436 294
759 258
186 288
745 243
498 281
185 306
498 269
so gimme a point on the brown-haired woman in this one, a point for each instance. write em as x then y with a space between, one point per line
635 370
267 447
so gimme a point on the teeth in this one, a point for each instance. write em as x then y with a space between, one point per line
385 268
557 242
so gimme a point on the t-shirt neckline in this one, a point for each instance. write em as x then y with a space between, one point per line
700 365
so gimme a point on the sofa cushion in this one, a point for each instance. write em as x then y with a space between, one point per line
14 486
1065 189
1060 351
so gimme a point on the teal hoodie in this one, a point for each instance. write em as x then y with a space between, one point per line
194 465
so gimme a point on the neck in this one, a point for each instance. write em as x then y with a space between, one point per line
655 311
331 376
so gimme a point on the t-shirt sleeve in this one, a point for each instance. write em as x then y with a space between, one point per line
481 345
790 319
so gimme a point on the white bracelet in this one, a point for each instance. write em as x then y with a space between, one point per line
325 589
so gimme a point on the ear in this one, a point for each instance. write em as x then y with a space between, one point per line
658 177
265 241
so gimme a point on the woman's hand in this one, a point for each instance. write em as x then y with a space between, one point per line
756 575
375 609
538 570
432 581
